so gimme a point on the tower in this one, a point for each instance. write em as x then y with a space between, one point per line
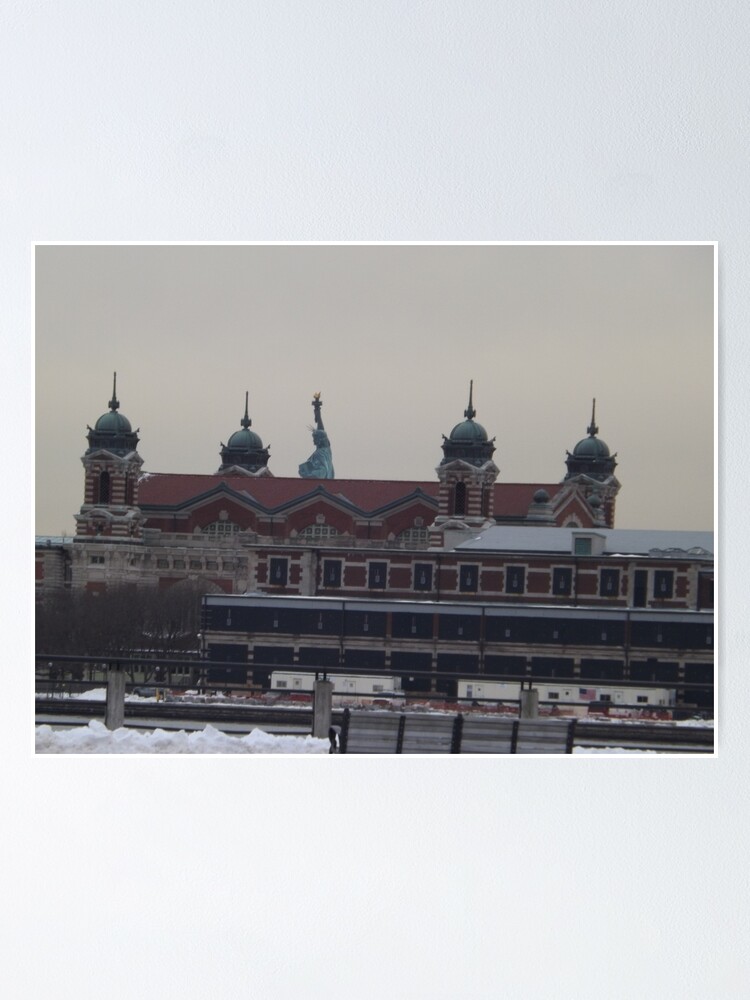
467 477
591 469
112 468
244 454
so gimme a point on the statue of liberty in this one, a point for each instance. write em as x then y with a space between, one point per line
320 464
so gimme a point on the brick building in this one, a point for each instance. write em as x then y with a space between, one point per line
464 535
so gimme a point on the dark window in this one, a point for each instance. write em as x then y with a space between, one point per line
468 578
459 498
365 658
551 666
461 627
602 670
331 572
377 573
318 656
104 487
515 579
365 622
411 626
405 665
640 583
663 584
609 582
562 580
129 491
705 590
234 656
423 576
582 547
279 572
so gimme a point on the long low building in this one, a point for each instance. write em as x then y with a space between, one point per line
431 646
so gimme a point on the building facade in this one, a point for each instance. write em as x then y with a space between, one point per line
242 528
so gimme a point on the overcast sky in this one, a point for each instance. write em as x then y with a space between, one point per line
390 335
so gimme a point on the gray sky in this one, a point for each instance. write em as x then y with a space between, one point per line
390 335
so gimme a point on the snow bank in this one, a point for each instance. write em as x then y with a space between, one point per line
96 738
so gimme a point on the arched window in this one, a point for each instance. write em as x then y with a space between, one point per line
103 487
459 498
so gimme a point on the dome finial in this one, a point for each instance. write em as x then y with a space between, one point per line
592 428
113 403
470 412
246 421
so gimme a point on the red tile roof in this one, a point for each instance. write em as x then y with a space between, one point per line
271 492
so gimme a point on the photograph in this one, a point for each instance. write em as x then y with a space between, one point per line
375 498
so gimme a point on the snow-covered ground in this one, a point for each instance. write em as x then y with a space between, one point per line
96 738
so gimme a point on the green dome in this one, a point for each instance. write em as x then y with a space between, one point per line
112 431
113 422
468 431
591 457
244 449
591 447
468 441
244 439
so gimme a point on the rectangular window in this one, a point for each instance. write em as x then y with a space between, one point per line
377 573
279 572
97 560
553 694
515 579
663 584
211 564
640 584
331 572
468 579
641 698
562 581
582 547
609 582
195 564
280 684
423 576
162 563
179 564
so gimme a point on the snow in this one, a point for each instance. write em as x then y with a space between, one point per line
96 738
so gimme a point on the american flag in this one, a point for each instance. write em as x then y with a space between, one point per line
588 694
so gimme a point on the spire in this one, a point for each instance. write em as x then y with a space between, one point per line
470 412
592 428
113 403
246 421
